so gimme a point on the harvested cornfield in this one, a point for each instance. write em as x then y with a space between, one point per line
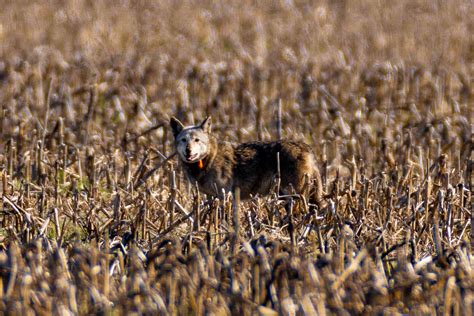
97 217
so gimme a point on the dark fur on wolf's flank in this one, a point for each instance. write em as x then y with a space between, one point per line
253 166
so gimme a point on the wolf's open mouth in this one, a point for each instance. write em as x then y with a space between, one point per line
191 157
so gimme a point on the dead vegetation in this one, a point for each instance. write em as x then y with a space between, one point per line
96 218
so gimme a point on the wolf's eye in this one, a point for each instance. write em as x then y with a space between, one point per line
196 140
183 140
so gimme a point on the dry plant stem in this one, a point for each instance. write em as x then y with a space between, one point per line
172 199
46 117
279 123
152 171
235 219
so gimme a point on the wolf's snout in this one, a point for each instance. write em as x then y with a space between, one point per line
188 151
189 154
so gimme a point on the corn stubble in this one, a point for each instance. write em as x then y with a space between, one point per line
97 217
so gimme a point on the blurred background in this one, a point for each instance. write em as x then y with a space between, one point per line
265 33
349 73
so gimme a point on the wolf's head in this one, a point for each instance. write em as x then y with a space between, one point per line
192 142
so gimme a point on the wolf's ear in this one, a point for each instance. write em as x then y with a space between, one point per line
206 124
176 126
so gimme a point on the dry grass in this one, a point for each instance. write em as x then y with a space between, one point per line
381 90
